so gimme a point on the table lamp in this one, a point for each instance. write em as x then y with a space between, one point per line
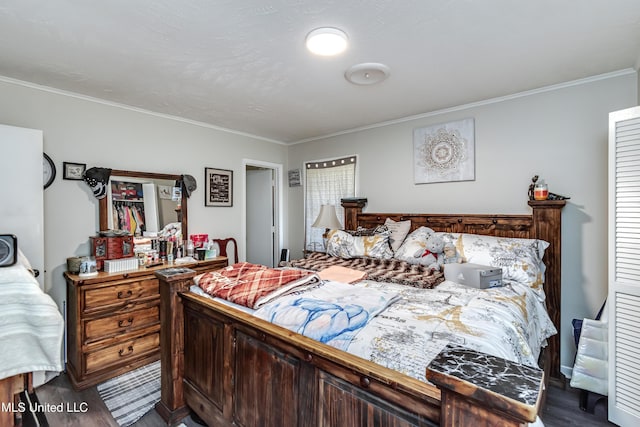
327 219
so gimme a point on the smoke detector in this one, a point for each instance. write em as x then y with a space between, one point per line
367 73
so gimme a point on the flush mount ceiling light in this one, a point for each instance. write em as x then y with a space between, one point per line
367 73
326 41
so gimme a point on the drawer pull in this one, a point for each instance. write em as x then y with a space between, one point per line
123 353
125 323
122 295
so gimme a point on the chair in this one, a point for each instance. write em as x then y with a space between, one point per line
223 246
590 371
284 258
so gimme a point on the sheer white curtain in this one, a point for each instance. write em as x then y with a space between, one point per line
326 182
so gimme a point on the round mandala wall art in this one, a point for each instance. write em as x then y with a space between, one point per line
444 152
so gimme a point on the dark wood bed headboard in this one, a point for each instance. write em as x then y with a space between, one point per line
543 223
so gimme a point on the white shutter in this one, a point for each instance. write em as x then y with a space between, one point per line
624 267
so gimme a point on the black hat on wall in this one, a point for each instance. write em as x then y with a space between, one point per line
98 179
189 182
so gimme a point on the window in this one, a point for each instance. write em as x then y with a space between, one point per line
326 182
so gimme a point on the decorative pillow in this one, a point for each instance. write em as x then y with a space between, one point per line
520 259
361 231
399 230
343 245
414 244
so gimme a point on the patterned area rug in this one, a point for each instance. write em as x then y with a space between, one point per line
131 395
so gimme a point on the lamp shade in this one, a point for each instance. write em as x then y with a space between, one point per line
327 218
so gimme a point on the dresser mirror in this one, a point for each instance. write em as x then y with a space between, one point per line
139 202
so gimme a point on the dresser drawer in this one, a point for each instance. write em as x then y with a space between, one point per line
122 352
108 326
119 293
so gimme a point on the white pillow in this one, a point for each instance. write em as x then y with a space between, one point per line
520 259
343 245
399 230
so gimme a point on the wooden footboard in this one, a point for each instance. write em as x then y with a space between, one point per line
260 374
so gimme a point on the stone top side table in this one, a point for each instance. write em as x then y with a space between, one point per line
481 390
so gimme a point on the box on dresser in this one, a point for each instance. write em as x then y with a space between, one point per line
107 248
113 323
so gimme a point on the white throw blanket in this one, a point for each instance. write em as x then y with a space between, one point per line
591 369
332 313
31 326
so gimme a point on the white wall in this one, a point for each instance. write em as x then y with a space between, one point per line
83 131
559 134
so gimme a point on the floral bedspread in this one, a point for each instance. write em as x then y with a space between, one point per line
508 322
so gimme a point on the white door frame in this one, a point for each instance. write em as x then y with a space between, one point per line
278 204
22 208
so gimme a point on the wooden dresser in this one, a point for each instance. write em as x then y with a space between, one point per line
113 321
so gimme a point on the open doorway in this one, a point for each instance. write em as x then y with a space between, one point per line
263 210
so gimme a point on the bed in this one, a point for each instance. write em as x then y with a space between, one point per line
231 368
31 336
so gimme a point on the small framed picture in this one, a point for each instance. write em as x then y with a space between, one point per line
294 178
218 189
165 192
73 171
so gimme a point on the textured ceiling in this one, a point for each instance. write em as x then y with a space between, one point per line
242 65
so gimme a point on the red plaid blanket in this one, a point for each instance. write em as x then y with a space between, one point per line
252 285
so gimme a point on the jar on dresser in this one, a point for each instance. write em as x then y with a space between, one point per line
113 321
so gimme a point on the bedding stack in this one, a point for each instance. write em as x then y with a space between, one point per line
252 285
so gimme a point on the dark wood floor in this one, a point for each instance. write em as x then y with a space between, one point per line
59 390
561 409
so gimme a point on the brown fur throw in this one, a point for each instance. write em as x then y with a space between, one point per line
379 270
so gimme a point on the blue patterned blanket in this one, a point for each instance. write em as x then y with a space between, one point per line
332 313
